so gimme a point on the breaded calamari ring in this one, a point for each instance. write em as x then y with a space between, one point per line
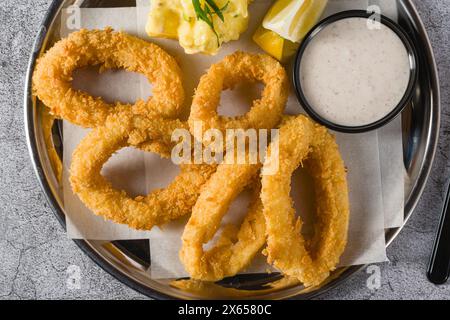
265 113
143 212
304 143
52 78
235 248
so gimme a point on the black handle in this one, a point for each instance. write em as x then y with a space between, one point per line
438 270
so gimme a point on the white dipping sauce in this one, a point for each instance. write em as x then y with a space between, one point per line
354 76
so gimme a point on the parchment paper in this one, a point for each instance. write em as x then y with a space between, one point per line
393 171
389 137
367 179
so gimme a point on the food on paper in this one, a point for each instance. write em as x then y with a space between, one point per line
52 78
201 26
265 113
304 143
143 212
354 85
235 248
204 191
286 24
145 125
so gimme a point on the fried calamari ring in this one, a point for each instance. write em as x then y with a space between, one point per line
304 143
52 79
265 113
235 249
144 212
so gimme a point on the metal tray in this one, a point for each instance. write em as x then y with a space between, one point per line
129 261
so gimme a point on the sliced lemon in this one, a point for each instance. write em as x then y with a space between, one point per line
272 43
293 19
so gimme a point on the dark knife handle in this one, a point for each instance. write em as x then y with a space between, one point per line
438 270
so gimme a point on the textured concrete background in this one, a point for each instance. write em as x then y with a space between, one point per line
35 254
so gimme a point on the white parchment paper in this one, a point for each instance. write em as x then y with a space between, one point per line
390 142
370 180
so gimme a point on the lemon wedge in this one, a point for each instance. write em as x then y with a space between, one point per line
286 24
278 47
292 19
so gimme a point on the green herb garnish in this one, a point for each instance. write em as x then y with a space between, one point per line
206 11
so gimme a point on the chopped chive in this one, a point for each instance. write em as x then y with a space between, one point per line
205 14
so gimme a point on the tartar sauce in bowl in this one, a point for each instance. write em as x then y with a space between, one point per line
352 73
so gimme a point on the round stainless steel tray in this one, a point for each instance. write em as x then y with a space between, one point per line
129 261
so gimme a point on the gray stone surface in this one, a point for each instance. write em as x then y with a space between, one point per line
35 254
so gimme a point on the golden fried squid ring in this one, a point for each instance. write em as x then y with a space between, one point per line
304 143
52 79
265 113
235 249
143 212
